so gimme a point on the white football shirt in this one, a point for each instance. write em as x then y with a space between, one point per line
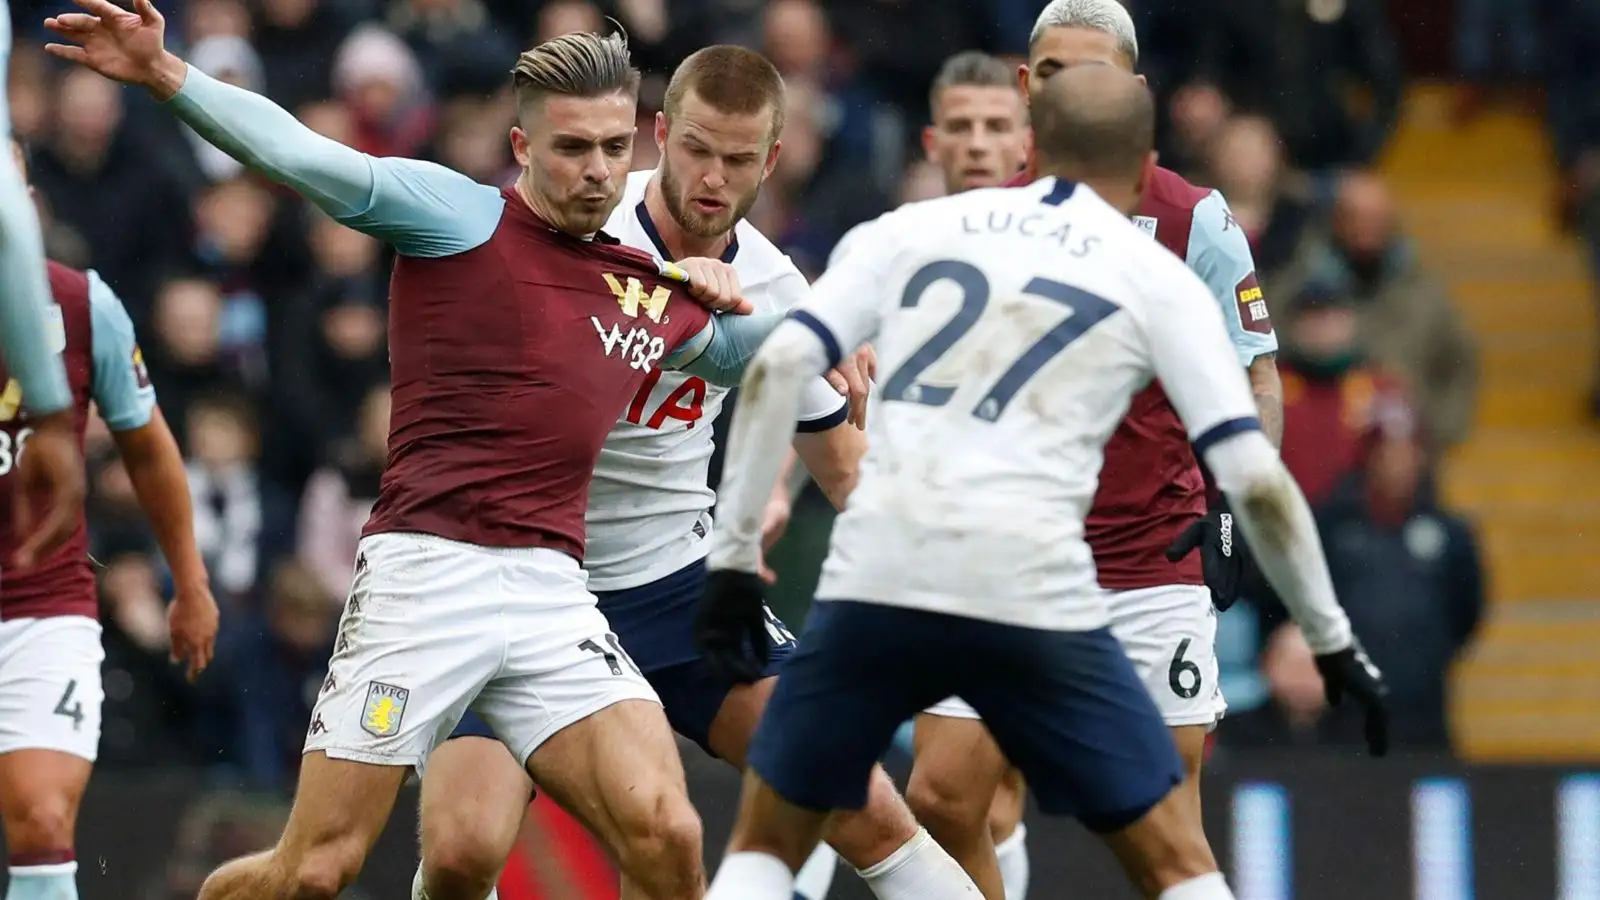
649 507
1013 327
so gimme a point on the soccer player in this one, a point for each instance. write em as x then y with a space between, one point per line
28 345
1014 328
518 333
649 519
1150 509
50 651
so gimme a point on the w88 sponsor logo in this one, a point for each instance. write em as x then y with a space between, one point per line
11 449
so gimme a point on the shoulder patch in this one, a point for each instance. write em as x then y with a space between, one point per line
1146 224
1253 314
55 324
141 372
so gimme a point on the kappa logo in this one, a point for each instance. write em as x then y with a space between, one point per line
317 726
384 710
631 297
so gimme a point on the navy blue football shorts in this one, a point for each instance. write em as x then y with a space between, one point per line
655 625
1067 708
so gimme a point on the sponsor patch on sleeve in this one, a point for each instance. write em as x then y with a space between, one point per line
140 372
1253 315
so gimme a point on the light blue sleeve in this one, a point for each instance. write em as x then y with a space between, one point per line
420 208
1219 253
720 352
25 341
121 386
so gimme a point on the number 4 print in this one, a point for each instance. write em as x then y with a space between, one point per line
70 706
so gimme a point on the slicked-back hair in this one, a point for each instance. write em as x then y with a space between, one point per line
1090 129
731 80
581 64
1108 16
972 68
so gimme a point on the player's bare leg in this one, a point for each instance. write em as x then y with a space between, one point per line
1009 834
771 840
474 799
40 791
1166 851
957 770
619 772
340 808
879 840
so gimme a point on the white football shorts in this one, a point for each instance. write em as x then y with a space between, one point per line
50 691
1170 633
433 627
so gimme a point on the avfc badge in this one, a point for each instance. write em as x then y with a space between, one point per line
1253 315
1146 224
140 373
385 707
55 327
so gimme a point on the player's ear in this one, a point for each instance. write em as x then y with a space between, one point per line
661 131
1145 172
1142 80
519 147
927 142
772 160
1022 84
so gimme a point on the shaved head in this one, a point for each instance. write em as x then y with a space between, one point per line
1094 123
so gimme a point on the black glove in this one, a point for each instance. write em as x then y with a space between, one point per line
1229 568
730 628
1349 671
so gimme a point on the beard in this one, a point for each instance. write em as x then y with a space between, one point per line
696 223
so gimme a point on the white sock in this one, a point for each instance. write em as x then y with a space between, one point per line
1013 854
816 876
752 876
1206 887
921 870
417 892
52 882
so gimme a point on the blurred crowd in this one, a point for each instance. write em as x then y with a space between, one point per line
263 322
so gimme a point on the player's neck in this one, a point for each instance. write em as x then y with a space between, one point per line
680 243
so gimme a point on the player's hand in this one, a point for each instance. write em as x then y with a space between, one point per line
53 465
1349 671
1225 560
121 45
730 628
853 379
192 623
715 284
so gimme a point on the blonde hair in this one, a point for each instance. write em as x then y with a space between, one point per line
582 64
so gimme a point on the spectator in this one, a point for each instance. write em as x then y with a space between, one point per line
215 18
378 78
1574 67
1484 25
334 350
272 665
233 60
298 41
226 487
185 356
560 17
1408 325
1331 396
1409 575
1295 63
97 179
148 706
456 42
1273 207
1294 713
340 495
